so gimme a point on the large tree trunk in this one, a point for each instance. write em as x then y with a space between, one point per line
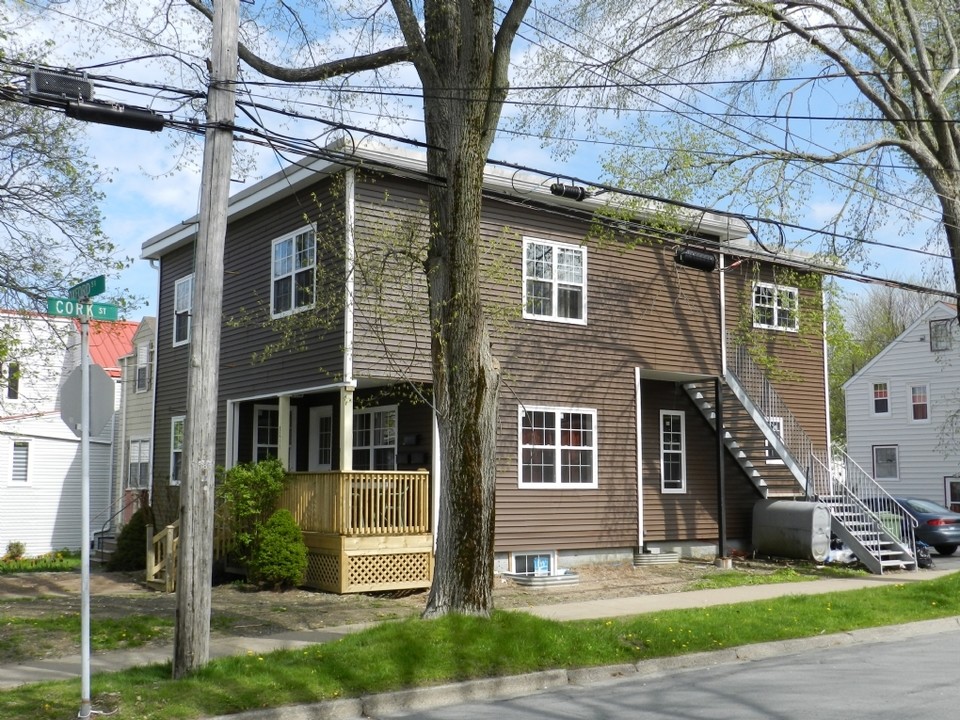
458 111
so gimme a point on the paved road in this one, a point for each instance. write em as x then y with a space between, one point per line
912 677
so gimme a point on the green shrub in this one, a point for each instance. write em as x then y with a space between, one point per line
249 493
131 552
280 558
15 550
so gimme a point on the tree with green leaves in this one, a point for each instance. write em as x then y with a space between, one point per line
760 104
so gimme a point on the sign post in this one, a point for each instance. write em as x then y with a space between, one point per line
78 305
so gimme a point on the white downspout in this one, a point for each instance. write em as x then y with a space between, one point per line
723 318
826 380
346 394
638 386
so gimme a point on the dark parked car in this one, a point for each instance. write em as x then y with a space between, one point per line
936 525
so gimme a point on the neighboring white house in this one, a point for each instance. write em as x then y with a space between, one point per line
899 408
40 462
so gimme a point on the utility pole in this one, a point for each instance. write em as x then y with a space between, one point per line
191 649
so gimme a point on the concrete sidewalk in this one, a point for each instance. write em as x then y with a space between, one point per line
69 667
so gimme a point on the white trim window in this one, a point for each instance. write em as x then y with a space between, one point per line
142 377
138 465
952 492
536 564
941 337
266 432
375 439
182 309
558 447
776 307
881 398
886 462
920 403
771 455
554 281
673 451
293 272
177 425
20 463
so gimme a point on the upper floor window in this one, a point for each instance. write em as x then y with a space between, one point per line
182 307
919 403
176 448
13 380
375 439
558 447
21 461
881 398
554 281
673 454
775 307
294 268
143 367
940 336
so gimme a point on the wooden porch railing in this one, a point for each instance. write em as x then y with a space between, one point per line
359 502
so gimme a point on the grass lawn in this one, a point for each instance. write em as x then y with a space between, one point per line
416 653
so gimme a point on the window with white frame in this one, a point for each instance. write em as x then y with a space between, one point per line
881 398
772 457
886 464
293 272
182 309
176 448
266 432
142 381
952 490
138 465
558 447
20 470
673 457
375 439
775 307
533 563
554 281
920 403
941 338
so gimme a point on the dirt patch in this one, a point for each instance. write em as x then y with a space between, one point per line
240 610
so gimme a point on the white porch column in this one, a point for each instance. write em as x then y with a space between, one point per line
283 431
346 428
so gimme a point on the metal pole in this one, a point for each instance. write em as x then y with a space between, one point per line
85 710
721 491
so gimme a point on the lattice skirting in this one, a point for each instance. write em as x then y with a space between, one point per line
368 572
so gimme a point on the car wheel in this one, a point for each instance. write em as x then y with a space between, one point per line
946 549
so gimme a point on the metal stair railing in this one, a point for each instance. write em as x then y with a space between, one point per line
891 528
792 442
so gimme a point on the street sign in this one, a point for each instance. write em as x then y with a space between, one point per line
102 391
66 307
88 288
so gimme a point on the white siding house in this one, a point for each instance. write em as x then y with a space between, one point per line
899 408
40 461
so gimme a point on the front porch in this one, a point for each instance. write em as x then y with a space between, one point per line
365 531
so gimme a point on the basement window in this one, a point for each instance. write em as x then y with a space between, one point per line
534 563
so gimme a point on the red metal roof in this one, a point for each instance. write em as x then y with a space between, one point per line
110 341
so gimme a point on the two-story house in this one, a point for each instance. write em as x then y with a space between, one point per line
902 410
611 332
40 462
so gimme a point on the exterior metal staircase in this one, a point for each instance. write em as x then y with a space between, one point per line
874 526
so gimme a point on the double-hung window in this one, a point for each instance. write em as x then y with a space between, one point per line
182 307
772 456
940 336
143 367
673 453
138 465
266 432
920 403
775 307
558 447
176 448
293 273
375 439
554 281
881 398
